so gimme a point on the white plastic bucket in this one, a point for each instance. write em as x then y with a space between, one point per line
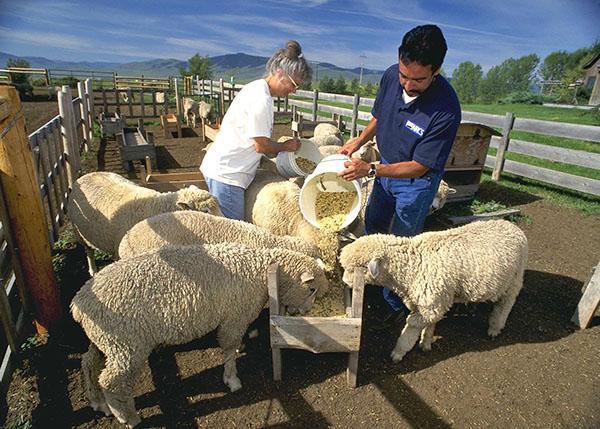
325 179
286 161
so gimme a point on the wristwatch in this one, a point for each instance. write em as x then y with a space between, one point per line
372 171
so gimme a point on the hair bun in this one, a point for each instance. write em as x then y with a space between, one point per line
293 49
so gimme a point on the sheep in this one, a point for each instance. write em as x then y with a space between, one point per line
187 227
103 206
326 140
160 97
441 196
124 94
190 107
481 261
367 152
326 129
175 295
205 110
53 91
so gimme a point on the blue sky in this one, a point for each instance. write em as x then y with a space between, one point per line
339 32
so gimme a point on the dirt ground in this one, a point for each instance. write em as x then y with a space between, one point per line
540 372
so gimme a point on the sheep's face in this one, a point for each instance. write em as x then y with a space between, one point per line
194 198
299 289
373 272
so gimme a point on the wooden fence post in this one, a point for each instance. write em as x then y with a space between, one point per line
315 104
66 133
84 115
509 120
177 101
89 92
19 183
354 115
222 97
286 104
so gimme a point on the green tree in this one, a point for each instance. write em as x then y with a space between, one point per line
510 76
326 84
370 89
198 66
340 85
355 87
20 80
555 65
466 79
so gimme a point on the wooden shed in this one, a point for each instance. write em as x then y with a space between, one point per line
467 159
591 79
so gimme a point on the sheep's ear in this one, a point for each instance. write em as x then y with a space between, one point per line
306 277
321 264
183 205
193 188
373 267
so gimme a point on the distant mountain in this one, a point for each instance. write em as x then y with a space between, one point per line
243 66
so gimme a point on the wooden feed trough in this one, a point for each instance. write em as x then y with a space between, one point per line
110 123
467 159
170 123
169 182
317 334
209 131
133 145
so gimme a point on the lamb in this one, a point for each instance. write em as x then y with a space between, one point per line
326 140
481 261
441 196
124 94
104 206
187 227
172 296
205 110
326 129
368 152
160 97
190 107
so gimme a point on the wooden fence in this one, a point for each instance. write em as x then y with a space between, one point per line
55 150
504 143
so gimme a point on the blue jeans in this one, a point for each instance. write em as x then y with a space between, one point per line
230 197
399 207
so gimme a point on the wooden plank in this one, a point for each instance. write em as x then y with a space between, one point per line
484 118
559 129
274 310
358 287
316 334
315 104
552 153
507 125
558 178
589 302
339 98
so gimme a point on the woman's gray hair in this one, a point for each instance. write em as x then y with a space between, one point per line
291 61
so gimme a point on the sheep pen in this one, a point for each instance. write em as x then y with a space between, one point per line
182 385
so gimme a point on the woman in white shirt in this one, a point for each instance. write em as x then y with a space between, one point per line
245 134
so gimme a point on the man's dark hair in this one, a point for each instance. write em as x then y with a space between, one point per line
424 44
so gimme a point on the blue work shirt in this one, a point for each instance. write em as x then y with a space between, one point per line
422 130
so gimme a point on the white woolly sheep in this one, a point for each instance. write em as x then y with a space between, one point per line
272 203
188 227
441 196
103 206
325 129
368 152
481 261
173 296
326 140
204 109
190 107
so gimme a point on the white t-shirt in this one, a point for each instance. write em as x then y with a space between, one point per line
407 98
233 158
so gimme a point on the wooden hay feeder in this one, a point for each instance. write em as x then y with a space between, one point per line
135 145
209 131
317 334
110 123
170 124
467 159
169 182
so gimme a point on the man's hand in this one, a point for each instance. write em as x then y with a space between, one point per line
291 145
355 169
350 147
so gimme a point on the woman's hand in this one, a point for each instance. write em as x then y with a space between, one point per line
291 145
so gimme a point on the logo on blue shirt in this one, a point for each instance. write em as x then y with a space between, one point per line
414 128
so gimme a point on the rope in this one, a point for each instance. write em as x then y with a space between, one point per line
12 122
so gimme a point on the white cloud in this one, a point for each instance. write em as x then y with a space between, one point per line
43 38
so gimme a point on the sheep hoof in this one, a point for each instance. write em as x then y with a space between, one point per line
397 356
233 383
426 347
492 332
101 407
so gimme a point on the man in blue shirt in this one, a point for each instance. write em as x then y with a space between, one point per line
415 118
